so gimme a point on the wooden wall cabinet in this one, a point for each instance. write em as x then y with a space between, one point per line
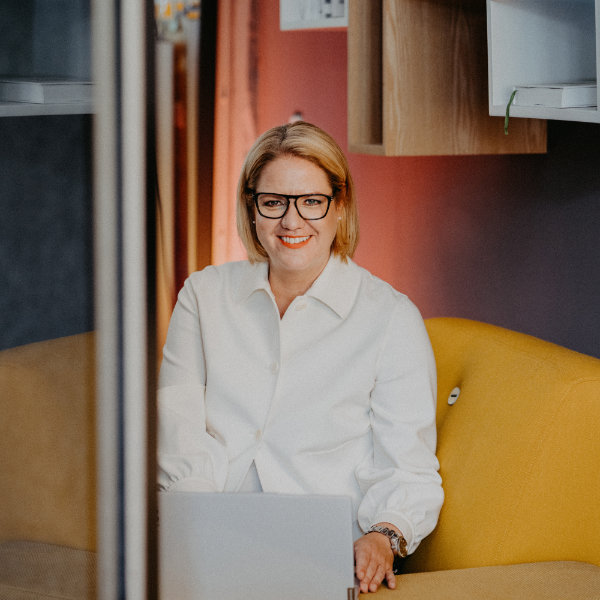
418 82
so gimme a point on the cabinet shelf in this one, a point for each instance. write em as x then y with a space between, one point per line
586 115
541 42
46 40
26 109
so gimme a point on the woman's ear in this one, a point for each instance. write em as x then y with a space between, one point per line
340 195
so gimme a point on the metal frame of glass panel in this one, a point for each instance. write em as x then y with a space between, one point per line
124 300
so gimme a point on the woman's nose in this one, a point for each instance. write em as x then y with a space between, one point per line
292 219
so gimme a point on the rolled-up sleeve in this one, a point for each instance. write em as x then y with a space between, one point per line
189 458
400 480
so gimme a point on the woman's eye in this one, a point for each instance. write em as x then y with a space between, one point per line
312 201
271 202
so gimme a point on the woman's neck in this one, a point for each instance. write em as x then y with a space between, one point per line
286 286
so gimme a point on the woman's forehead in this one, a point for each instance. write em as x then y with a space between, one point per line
286 173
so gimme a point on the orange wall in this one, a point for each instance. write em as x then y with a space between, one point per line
503 239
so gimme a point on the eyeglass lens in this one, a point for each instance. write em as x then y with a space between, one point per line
313 206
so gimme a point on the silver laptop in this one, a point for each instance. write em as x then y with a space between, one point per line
222 546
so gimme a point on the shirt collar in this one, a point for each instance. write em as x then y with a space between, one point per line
256 277
335 287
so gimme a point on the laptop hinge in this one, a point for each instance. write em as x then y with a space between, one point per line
352 593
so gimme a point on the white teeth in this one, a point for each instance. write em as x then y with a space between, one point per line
294 240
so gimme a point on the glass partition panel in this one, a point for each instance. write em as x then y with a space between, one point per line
47 341
76 264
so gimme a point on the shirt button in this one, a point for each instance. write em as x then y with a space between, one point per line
301 306
257 434
274 367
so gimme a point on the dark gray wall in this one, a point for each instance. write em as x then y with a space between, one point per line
45 180
521 240
45 38
46 281
509 240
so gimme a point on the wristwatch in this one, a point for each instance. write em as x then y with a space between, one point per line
397 542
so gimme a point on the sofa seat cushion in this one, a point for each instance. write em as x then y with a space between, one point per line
36 571
563 580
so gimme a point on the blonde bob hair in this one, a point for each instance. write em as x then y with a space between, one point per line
311 143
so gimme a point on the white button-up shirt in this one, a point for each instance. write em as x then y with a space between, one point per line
337 397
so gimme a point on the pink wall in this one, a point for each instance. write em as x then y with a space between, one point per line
306 71
509 240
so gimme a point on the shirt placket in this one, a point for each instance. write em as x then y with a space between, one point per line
274 368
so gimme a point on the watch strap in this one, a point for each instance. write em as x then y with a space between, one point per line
397 541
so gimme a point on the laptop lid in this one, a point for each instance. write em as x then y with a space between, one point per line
230 546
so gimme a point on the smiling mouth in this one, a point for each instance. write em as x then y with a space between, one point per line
294 242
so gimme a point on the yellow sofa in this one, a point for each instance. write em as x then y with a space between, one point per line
520 461
519 453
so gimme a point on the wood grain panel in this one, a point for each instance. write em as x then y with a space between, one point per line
375 149
435 83
365 83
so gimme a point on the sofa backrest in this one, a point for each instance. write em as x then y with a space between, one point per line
519 450
47 442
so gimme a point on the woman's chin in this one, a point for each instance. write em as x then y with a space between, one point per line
298 260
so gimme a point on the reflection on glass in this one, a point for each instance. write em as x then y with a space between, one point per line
181 245
47 440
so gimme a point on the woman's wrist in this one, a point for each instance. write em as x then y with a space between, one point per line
391 527
394 535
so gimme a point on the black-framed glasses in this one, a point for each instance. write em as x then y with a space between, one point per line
310 207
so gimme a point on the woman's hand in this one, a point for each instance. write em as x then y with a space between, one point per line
374 560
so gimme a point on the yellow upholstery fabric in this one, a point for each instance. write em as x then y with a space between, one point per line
36 571
519 455
519 451
537 581
47 442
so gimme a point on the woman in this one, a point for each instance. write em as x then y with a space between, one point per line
299 372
